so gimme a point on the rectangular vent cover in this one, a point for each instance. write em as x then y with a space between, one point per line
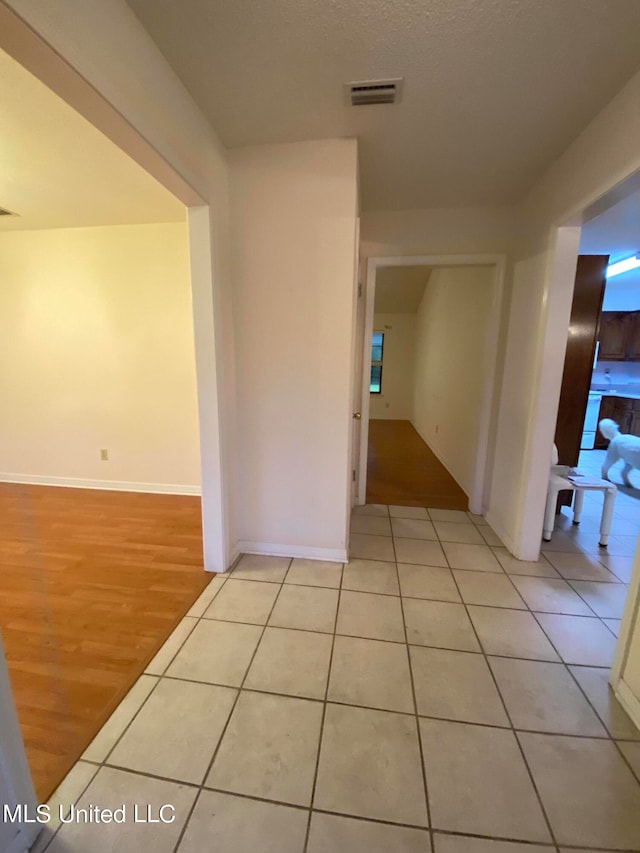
374 92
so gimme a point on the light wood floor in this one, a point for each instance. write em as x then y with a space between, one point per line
403 470
91 584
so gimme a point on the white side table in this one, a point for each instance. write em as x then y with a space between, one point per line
559 481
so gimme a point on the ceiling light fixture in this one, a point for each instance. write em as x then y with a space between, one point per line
631 263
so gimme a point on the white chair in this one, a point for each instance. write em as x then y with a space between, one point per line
559 481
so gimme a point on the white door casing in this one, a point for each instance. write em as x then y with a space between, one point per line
479 493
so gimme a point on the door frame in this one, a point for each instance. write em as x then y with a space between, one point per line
559 286
478 499
35 54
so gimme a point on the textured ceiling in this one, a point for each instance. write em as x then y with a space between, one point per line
57 170
494 90
399 290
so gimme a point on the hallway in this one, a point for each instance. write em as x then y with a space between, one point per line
432 694
403 470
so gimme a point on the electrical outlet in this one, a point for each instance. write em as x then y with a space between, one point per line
104 455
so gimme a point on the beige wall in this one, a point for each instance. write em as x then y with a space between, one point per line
450 343
294 246
97 348
396 399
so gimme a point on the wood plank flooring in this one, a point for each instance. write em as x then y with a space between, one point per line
404 471
91 584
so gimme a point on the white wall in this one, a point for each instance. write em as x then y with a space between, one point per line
437 231
97 348
448 387
294 245
396 399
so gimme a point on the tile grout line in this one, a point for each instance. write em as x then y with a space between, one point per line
592 614
526 608
282 584
610 736
103 762
160 678
231 711
81 794
323 716
567 666
263 692
511 726
436 831
415 703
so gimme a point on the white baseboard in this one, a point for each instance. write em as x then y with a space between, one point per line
268 549
629 701
234 557
108 485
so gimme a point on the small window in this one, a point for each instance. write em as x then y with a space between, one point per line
377 347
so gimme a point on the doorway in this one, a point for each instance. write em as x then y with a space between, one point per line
603 577
428 380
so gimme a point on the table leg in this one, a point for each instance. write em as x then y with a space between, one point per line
607 516
549 514
577 505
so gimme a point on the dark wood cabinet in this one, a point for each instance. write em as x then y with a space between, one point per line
619 336
633 348
625 411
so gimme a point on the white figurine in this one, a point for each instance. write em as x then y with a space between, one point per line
621 446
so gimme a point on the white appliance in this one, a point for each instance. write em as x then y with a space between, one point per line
591 421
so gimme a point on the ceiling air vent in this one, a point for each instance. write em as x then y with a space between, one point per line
374 92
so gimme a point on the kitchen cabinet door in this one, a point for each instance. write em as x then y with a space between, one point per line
623 413
607 410
620 410
633 345
613 335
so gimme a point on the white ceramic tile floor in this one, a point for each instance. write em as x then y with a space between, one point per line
454 701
